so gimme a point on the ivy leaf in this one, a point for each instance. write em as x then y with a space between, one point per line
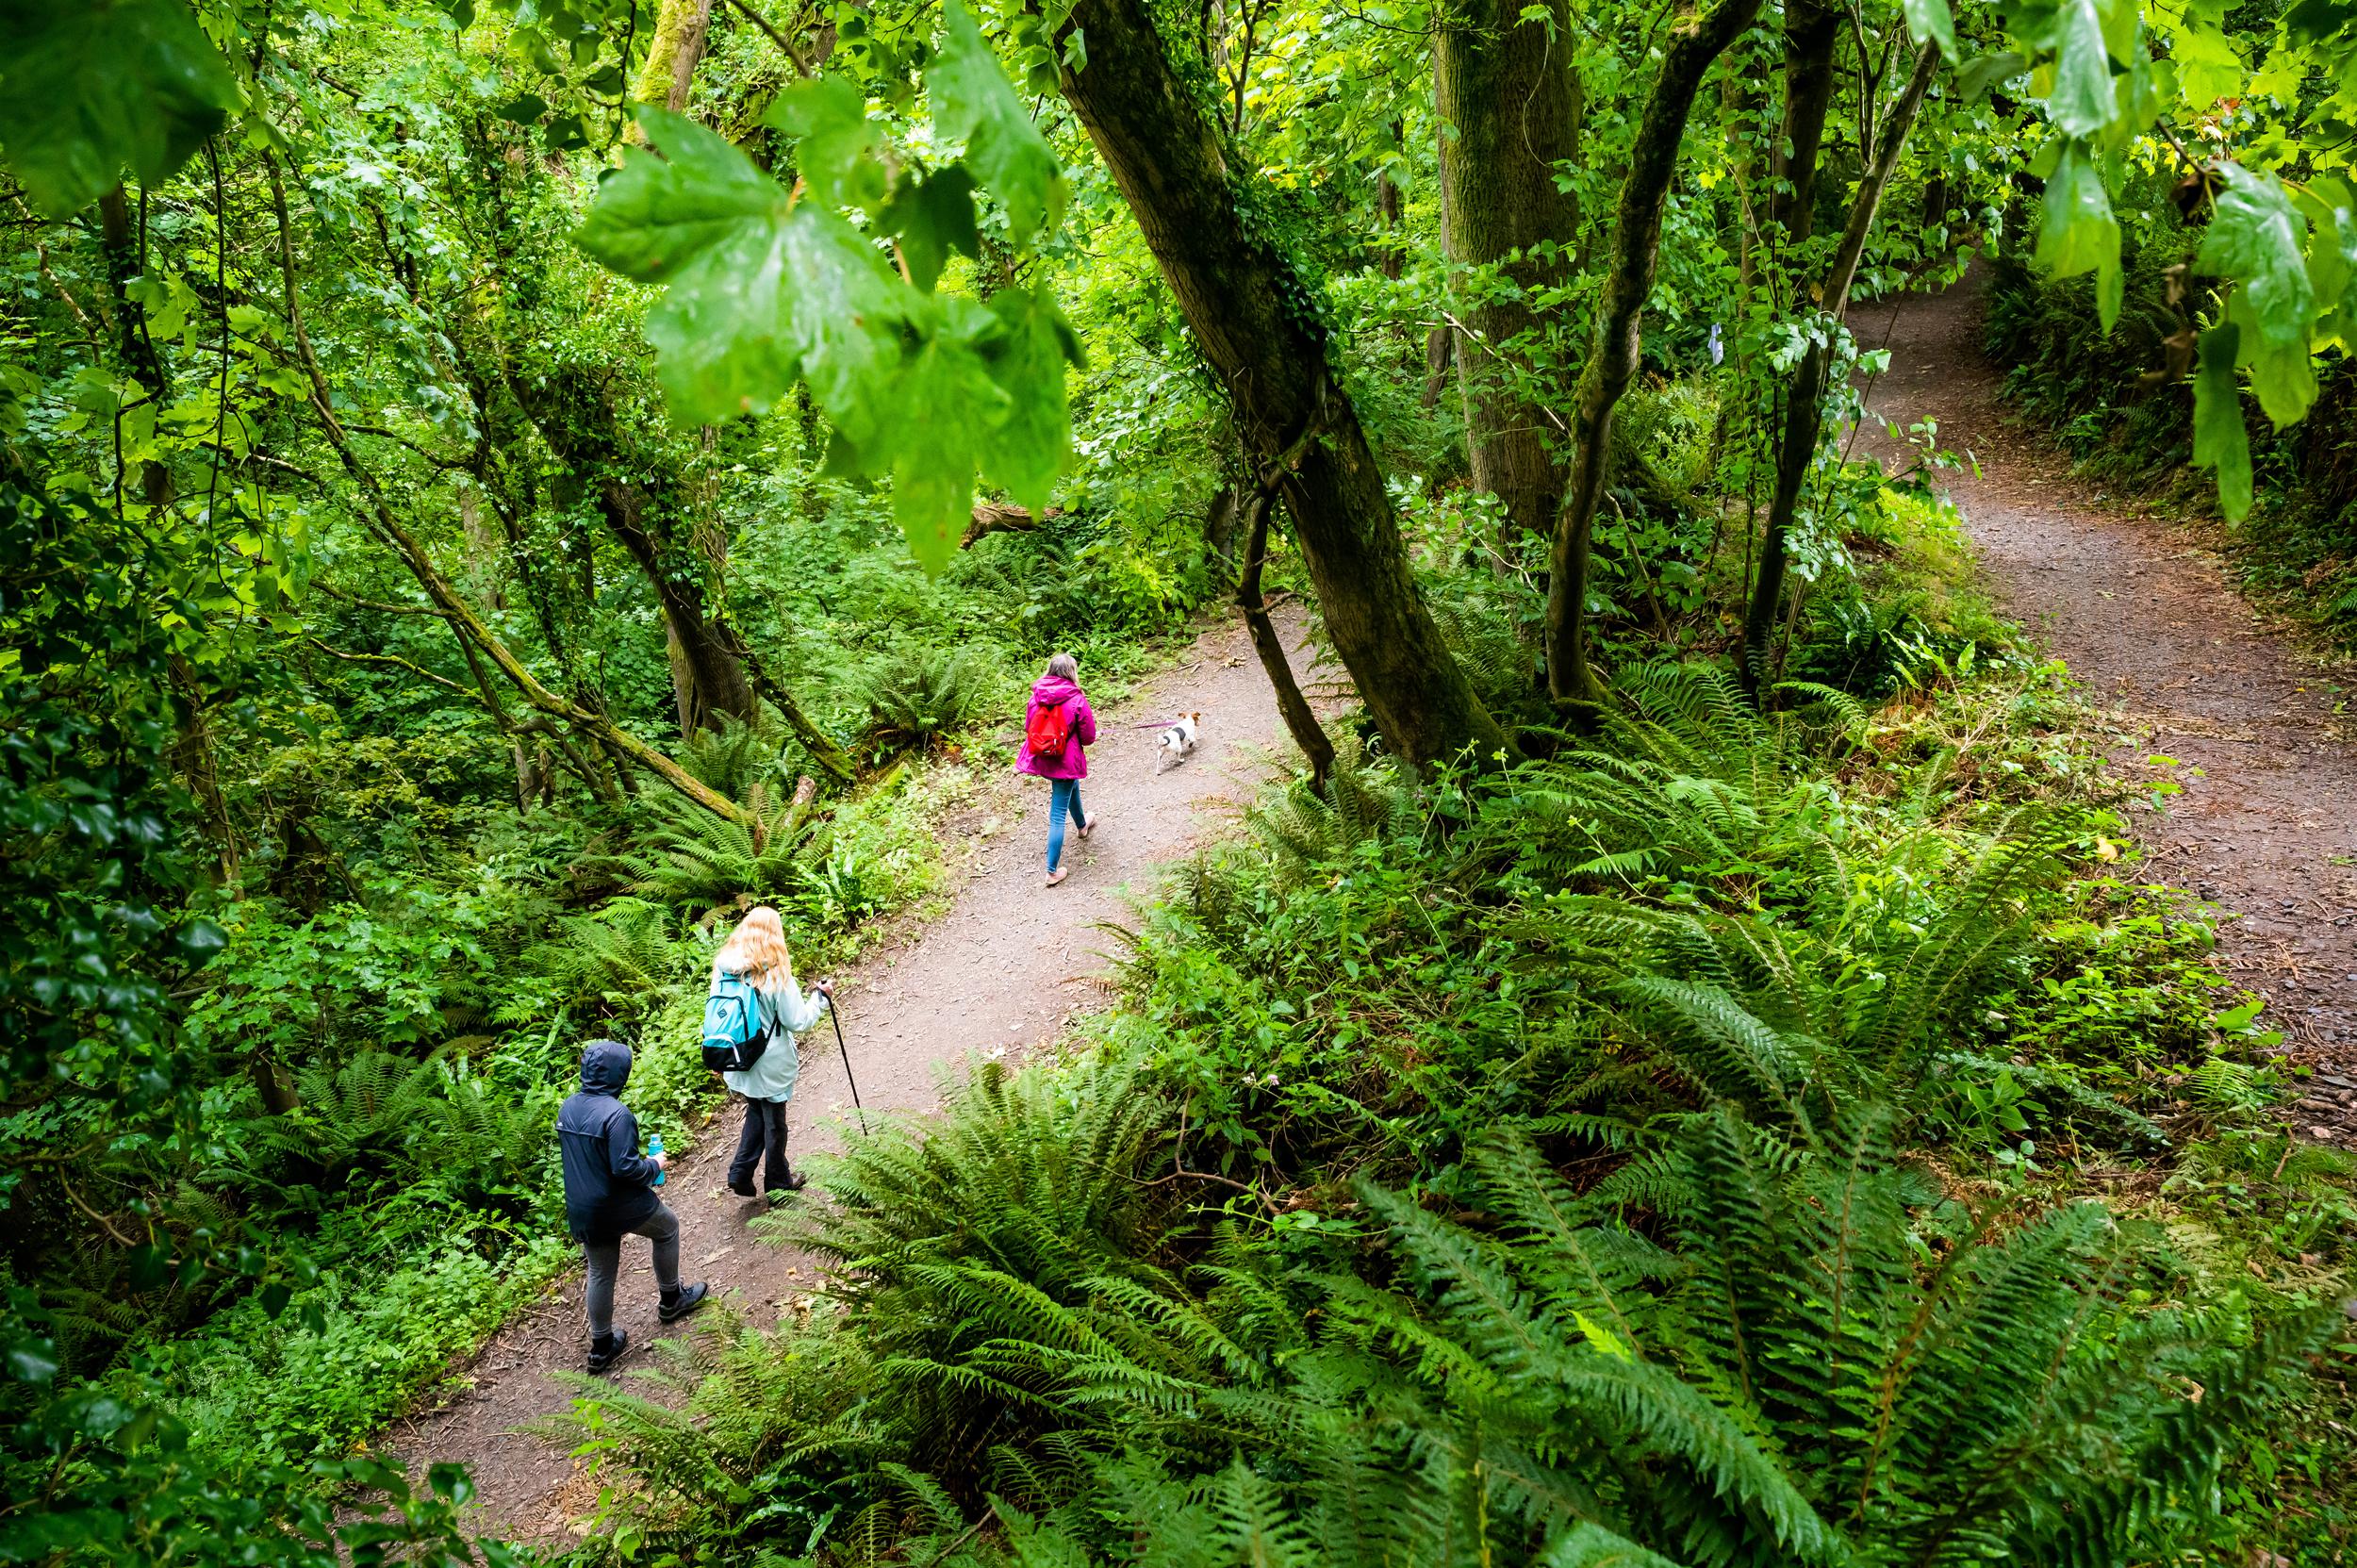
2219 440
2257 238
835 140
2079 234
973 103
1930 19
89 89
932 215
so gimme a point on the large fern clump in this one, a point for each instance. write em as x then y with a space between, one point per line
916 700
694 858
1823 1361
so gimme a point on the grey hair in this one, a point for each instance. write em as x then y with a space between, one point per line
1064 667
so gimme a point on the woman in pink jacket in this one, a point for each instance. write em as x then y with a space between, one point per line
1056 728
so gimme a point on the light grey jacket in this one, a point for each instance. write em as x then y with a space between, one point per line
789 1012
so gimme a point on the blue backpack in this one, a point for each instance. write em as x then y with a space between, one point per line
735 1036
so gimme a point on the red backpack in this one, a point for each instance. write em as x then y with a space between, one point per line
1049 728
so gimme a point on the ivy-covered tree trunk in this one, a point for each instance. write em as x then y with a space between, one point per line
638 492
1694 43
1804 400
1510 108
1258 328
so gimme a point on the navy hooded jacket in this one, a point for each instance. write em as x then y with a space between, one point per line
609 1186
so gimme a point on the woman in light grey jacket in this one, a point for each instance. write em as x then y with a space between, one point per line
755 953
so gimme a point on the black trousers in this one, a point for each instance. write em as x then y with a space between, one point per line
762 1143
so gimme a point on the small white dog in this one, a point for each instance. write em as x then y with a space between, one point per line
1178 741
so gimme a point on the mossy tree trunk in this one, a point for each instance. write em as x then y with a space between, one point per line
1257 327
1509 110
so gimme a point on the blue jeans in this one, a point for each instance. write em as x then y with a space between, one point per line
1063 795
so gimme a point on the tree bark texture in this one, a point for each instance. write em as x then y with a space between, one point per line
1259 329
1804 400
1510 111
1694 43
1812 28
1301 722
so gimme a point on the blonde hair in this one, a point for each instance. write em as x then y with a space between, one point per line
1065 666
755 953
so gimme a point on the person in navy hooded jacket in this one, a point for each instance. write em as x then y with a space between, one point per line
609 1194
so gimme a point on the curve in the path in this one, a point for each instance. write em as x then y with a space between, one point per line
1001 971
2146 618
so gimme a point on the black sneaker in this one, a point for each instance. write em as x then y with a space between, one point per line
687 1300
744 1188
605 1352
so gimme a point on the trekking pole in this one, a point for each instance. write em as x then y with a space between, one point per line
835 1015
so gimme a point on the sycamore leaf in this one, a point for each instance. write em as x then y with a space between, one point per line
1036 436
764 289
1975 76
2281 374
933 217
2207 67
834 140
1930 21
2080 101
2080 234
655 215
91 87
2257 238
973 103
2219 440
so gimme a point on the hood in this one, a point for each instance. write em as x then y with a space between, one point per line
604 1067
1051 689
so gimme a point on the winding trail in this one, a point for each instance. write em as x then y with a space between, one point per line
1000 972
2161 640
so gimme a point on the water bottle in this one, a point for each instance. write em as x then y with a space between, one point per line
654 1150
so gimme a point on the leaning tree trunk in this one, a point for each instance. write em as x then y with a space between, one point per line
1503 85
1694 43
1257 323
1804 400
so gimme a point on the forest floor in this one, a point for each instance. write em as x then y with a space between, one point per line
2253 730
1000 971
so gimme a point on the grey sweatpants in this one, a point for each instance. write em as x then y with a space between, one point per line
606 1261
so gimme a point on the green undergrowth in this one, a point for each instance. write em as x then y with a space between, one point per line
1728 1138
424 1033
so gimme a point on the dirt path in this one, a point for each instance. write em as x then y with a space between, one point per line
2267 824
1003 970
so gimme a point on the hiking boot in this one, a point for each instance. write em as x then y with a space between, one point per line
679 1303
744 1188
795 1181
606 1351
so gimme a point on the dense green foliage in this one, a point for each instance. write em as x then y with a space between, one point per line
489 492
